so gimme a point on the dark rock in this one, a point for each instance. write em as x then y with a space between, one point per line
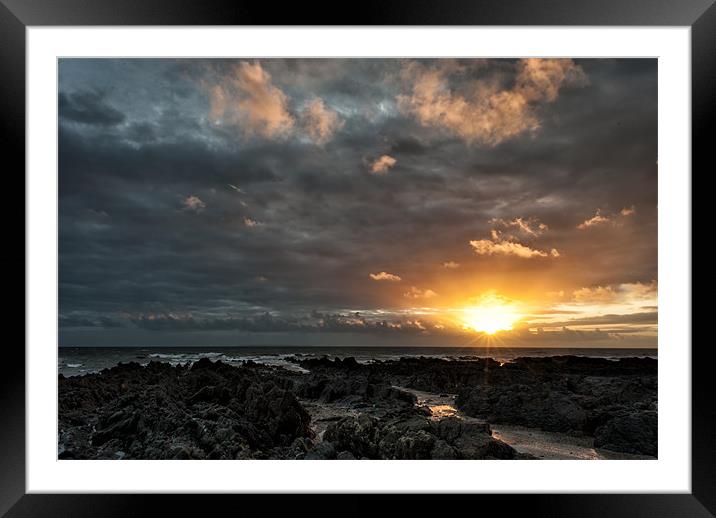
356 435
629 433
188 453
562 414
451 428
215 410
414 445
470 440
211 410
482 446
118 426
443 451
324 450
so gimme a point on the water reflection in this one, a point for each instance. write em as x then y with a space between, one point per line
442 411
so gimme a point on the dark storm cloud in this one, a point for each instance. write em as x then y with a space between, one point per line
68 321
88 107
79 321
289 227
315 322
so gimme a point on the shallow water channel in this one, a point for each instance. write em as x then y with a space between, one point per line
540 444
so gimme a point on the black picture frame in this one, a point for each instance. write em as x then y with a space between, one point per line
17 15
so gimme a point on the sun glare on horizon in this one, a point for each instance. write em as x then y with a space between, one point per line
491 318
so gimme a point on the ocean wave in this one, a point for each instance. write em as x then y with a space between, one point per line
270 359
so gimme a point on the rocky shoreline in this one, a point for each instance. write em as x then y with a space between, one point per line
341 409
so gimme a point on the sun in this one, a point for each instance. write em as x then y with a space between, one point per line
491 317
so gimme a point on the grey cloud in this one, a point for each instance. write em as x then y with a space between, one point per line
88 107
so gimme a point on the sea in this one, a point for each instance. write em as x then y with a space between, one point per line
77 361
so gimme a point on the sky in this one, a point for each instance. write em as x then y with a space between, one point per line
504 202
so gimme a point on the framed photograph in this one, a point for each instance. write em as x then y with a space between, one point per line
419 251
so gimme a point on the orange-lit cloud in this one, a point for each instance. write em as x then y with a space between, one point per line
451 265
194 203
417 293
541 79
643 290
385 276
382 165
619 310
597 219
601 219
628 211
596 294
636 291
320 122
485 112
530 227
489 247
248 97
250 222
499 244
